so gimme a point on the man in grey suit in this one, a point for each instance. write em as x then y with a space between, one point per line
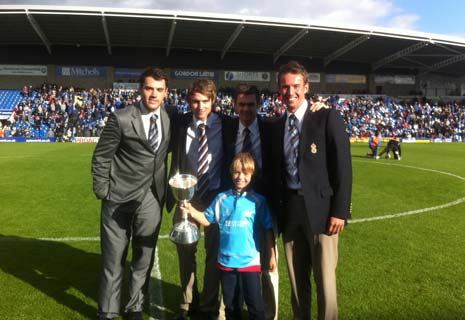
129 176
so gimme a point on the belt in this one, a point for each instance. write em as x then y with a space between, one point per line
297 192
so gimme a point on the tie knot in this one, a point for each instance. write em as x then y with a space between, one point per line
154 117
292 118
246 130
202 126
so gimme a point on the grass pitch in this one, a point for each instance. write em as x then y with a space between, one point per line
408 264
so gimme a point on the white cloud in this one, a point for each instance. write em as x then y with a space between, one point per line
381 13
404 21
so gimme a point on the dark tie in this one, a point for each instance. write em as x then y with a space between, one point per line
247 144
294 135
153 132
202 165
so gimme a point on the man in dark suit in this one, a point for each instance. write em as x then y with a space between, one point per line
129 175
250 133
198 149
312 188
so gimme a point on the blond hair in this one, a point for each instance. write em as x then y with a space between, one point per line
243 162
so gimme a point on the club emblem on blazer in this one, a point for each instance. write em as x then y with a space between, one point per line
313 148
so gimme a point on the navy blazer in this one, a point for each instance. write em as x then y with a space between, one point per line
179 124
325 168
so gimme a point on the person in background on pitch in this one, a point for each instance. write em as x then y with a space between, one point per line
374 143
242 215
394 146
129 176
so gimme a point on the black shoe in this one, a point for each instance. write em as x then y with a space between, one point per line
104 318
181 315
134 315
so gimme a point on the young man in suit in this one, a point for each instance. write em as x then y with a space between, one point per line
129 176
312 188
197 146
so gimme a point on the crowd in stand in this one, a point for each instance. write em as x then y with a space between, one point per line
64 113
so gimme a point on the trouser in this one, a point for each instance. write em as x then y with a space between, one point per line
236 285
270 282
119 222
306 252
208 301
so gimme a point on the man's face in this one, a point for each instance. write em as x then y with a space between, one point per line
153 92
293 90
201 105
246 107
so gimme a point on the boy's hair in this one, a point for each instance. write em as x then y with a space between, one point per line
154 72
245 89
205 87
293 67
243 162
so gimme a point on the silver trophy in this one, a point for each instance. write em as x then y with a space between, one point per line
183 187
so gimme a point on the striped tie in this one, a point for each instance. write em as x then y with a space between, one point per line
202 165
294 135
153 132
247 144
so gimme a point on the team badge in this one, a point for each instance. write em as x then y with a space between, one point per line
313 148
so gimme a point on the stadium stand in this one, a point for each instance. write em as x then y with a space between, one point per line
65 113
8 100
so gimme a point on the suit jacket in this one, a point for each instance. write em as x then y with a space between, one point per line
124 165
179 161
263 177
325 168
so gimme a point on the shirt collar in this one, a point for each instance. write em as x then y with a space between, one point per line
300 111
211 118
145 111
253 127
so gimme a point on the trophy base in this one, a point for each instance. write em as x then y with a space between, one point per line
185 232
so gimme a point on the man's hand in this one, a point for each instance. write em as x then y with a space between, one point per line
335 225
319 104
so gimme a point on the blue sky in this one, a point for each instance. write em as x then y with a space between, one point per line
442 17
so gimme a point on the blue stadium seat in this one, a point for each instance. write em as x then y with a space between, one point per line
8 100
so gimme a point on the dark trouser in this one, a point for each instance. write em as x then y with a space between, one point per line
209 300
119 222
231 283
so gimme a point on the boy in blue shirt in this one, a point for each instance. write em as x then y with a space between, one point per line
242 215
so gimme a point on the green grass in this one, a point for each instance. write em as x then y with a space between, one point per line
408 267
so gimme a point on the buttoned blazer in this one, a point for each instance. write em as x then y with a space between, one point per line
325 168
179 161
124 165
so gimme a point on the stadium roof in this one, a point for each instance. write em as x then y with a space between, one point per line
382 50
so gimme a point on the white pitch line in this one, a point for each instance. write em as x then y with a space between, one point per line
412 212
156 310
408 213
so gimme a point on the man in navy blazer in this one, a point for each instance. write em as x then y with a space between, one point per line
129 176
185 142
312 192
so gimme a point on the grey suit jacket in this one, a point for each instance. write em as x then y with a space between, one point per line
124 165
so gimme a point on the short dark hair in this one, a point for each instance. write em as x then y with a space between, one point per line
205 87
245 89
154 72
295 68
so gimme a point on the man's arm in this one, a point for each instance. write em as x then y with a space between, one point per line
340 172
270 245
103 156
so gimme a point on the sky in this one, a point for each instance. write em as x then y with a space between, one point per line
443 17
